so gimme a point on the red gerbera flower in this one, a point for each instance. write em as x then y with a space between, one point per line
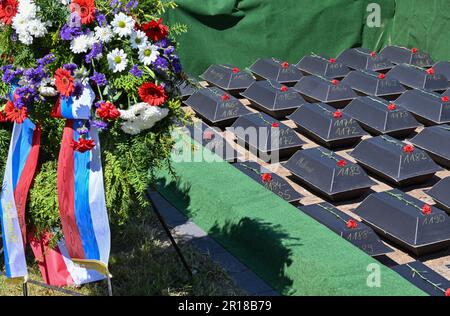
155 30
352 224
426 209
64 82
431 71
275 125
236 70
391 107
342 163
447 292
284 89
266 177
381 76
332 60
225 97
14 114
445 98
3 117
108 111
152 94
83 145
337 114
85 9
408 149
8 10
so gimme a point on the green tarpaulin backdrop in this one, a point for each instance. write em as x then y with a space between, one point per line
240 31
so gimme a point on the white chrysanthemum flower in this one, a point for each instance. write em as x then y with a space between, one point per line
123 24
91 39
130 128
36 28
27 9
103 34
80 44
148 54
19 23
47 91
25 38
141 117
117 60
138 39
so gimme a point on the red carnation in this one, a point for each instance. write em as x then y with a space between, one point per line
14 114
108 111
431 71
155 30
284 89
426 209
335 82
208 135
352 224
64 82
8 10
332 60
275 125
391 107
381 76
266 177
285 65
414 50
447 292
342 163
408 149
445 98
236 70
83 145
85 9
152 94
373 54
337 114
225 97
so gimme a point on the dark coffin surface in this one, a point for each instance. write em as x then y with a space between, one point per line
361 58
188 87
228 78
422 276
385 156
441 194
443 68
272 69
436 141
418 78
374 115
319 65
373 83
399 217
362 237
428 107
320 89
403 55
257 132
208 104
318 122
276 184
212 140
269 97
318 169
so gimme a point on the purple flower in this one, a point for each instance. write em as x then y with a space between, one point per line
99 124
161 64
34 76
83 130
99 103
46 60
95 53
74 20
176 65
135 71
25 96
101 19
71 67
99 79
169 50
8 74
78 90
68 33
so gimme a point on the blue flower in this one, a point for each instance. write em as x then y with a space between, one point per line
99 79
78 90
46 60
161 64
96 52
68 33
99 124
71 67
176 64
135 71
101 19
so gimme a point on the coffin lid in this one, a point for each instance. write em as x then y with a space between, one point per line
403 55
416 77
188 87
441 192
442 68
370 83
322 89
361 58
224 77
434 139
271 68
319 65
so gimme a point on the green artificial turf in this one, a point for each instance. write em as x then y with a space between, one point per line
289 250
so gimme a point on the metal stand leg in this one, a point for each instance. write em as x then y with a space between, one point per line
108 280
25 288
169 234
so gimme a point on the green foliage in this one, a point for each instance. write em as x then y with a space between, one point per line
5 137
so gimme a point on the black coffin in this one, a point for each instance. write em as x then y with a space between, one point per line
424 278
216 107
400 218
363 58
327 126
321 89
442 68
428 107
271 181
228 78
277 70
319 65
266 137
273 98
395 161
212 140
367 82
380 117
188 87
330 175
402 55
441 194
418 78
362 236
435 141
